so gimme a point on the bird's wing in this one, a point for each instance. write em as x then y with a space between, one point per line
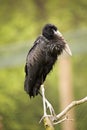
34 64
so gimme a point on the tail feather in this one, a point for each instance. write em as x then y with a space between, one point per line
32 90
26 86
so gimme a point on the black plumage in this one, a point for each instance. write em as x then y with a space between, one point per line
41 58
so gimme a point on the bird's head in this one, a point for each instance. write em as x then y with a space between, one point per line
51 32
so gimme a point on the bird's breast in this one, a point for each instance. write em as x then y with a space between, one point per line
55 48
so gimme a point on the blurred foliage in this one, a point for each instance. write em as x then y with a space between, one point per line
21 21
80 89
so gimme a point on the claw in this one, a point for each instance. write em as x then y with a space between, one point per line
50 107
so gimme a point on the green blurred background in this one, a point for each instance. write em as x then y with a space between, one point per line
20 23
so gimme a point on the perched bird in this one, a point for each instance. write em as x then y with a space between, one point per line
42 56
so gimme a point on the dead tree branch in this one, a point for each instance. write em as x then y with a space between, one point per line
49 122
70 106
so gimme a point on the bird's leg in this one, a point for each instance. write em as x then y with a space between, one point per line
43 96
44 103
48 105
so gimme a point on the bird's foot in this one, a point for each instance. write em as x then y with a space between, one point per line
52 114
50 107
46 105
45 116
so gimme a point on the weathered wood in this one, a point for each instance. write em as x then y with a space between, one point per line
48 123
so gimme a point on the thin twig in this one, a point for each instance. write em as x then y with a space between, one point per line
62 120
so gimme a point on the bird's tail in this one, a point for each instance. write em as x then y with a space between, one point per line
31 89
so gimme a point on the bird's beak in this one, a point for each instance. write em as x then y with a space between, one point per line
57 33
67 49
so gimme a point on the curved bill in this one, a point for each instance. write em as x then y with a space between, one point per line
67 49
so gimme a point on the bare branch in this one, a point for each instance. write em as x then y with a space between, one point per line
70 106
51 120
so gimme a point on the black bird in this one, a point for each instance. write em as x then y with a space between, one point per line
42 56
